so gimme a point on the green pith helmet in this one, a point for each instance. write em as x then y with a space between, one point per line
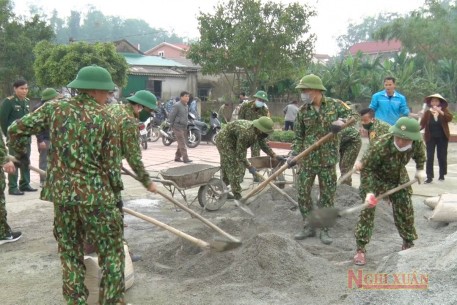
145 98
406 128
311 81
264 124
49 94
262 95
93 77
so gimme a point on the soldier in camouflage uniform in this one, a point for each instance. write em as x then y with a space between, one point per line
83 177
316 118
374 127
6 234
350 145
253 110
13 108
232 143
384 169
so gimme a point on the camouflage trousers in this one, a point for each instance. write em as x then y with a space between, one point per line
5 229
327 187
403 213
349 150
232 172
100 225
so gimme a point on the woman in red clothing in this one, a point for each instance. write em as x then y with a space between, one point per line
435 121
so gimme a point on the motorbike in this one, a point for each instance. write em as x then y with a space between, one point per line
143 135
152 128
209 133
193 133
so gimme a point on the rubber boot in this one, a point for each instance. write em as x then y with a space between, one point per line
307 231
325 238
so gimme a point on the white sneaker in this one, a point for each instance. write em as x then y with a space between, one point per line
12 238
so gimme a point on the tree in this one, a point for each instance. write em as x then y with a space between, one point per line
260 42
57 65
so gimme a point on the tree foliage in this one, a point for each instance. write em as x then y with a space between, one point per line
57 65
262 42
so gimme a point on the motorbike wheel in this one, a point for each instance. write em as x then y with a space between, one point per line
214 136
166 141
193 139
153 133
144 142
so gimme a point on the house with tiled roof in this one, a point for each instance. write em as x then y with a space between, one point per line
376 48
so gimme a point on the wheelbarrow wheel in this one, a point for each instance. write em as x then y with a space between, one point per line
212 195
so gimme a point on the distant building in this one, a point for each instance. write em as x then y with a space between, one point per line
377 48
169 50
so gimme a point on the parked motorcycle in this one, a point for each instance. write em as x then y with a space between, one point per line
152 128
193 133
143 135
209 133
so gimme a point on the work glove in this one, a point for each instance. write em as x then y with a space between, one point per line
420 176
371 199
336 126
21 160
252 170
290 161
281 159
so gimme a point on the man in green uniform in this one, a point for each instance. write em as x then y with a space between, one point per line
253 110
374 127
13 108
316 118
383 169
232 143
83 178
6 234
350 145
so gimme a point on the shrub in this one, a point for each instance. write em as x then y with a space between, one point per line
282 136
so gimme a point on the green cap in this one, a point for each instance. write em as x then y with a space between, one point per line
49 94
261 95
406 128
93 77
311 81
264 124
145 98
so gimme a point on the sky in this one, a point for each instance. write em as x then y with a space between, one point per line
180 16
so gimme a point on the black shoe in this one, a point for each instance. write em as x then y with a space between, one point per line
27 188
187 161
441 178
15 192
178 160
12 238
428 180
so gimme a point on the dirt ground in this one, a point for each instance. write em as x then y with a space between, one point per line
270 267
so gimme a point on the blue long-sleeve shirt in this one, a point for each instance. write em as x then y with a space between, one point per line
389 109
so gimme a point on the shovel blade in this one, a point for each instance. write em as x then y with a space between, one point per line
244 207
323 218
221 245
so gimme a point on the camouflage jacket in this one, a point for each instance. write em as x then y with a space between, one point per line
384 166
11 109
311 125
3 160
248 111
378 129
84 155
236 137
123 115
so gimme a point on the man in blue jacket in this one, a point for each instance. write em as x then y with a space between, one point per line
389 105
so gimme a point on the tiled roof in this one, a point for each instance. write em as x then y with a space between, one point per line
142 60
376 47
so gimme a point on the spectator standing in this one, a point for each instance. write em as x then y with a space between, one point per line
82 182
13 108
389 105
435 123
178 123
193 108
290 113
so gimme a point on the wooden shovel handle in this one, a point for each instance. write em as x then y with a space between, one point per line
198 242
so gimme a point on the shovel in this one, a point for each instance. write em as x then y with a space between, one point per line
276 188
345 176
326 217
243 201
190 211
213 245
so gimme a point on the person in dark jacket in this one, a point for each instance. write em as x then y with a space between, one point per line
178 123
435 123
